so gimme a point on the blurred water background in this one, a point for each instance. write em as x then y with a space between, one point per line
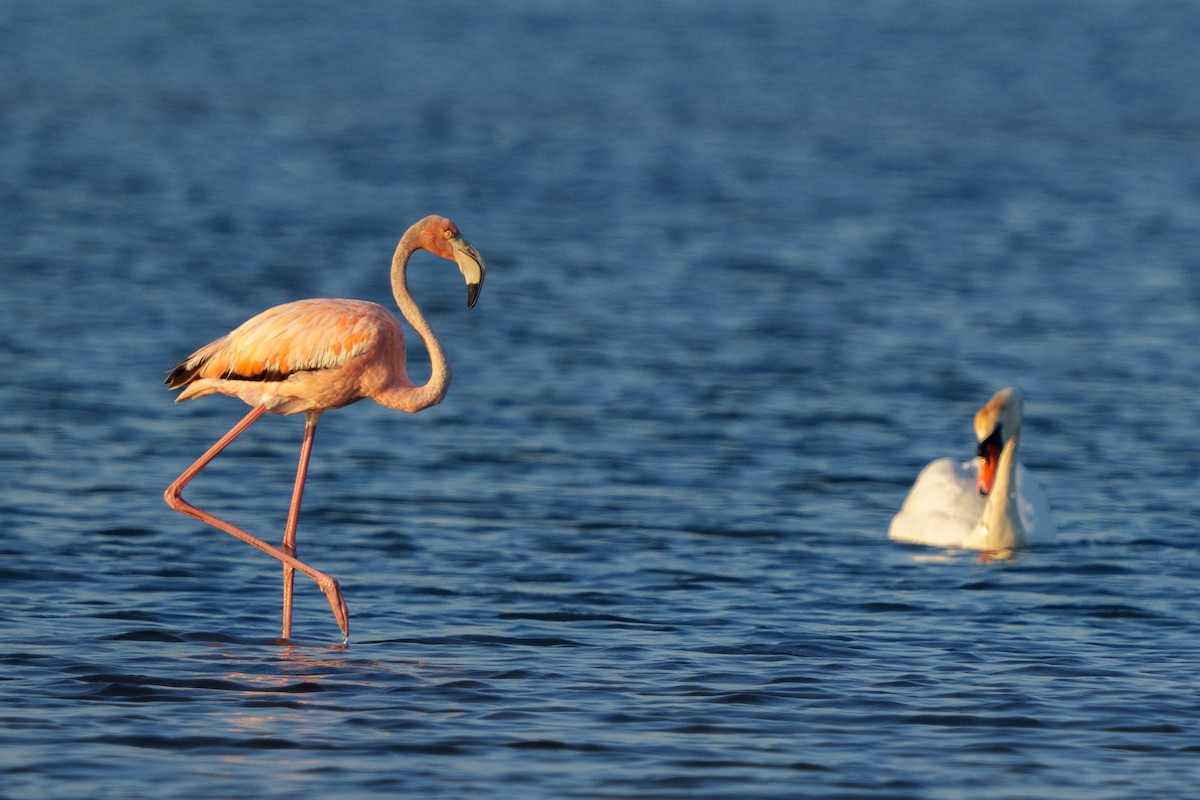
751 266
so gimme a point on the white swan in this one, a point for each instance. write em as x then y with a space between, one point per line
989 503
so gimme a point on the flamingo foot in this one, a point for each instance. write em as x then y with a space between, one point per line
338 603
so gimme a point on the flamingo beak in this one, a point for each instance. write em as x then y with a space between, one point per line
989 451
470 264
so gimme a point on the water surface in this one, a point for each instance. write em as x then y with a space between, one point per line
751 266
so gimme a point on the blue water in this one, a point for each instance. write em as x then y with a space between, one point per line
751 265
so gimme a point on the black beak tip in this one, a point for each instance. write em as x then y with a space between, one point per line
472 294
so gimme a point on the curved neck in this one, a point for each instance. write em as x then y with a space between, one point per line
1000 523
409 397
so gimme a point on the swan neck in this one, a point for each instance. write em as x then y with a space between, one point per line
1001 516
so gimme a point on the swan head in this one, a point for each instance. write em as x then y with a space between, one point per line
997 425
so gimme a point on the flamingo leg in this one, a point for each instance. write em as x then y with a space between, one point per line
293 519
174 498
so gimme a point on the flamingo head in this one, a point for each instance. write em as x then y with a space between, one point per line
441 237
996 424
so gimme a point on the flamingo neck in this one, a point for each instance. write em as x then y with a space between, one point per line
1000 524
404 395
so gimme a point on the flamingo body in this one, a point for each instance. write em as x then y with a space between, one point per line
301 356
313 355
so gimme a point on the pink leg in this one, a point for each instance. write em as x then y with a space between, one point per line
289 532
174 498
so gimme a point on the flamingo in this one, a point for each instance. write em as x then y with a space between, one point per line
990 503
313 355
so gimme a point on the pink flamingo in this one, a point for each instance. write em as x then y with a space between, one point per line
313 355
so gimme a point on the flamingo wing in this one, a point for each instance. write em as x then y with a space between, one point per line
305 335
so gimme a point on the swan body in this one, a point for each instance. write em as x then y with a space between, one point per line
990 503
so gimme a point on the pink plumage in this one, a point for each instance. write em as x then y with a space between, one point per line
301 356
313 355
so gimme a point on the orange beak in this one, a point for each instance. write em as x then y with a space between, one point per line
989 451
